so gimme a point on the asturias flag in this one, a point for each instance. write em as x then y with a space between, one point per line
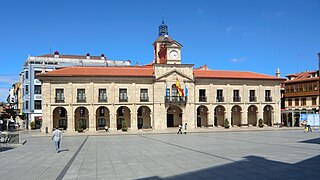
180 90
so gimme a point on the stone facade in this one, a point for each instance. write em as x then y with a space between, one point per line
157 96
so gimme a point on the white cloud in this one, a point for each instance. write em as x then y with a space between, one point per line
238 60
9 79
4 92
229 28
199 11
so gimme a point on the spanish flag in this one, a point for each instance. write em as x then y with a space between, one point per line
180 90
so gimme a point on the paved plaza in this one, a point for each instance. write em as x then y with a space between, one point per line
274 154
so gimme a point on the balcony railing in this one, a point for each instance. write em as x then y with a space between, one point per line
220 99
175 99
59 99
253 99
101 99
202 98
123 99
81 99
236 99
268 99
144 99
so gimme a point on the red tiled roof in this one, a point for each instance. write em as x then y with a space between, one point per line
220 74
148 71
303 76
101 71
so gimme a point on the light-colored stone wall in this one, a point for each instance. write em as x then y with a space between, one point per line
156 116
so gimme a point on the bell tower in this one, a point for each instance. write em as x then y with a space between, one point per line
166 50
163 28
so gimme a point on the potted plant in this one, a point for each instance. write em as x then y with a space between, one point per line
226 123
33 125
124 126
260 122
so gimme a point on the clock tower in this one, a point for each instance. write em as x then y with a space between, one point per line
166 50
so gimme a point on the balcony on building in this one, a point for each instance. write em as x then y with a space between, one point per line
236 99
268 99
202 98
123 99
59 99
144 99
181 100
220 99
102 99
81 99
252 99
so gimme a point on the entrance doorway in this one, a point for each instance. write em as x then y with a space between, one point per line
169 120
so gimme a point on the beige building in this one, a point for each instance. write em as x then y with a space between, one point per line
161 95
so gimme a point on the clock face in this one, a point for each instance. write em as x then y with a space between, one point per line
174 54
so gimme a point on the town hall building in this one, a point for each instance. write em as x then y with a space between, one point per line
163 94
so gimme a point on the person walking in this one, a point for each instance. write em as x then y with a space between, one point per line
57 137
180 128
185 128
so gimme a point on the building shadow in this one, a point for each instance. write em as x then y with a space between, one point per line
5 148
312 141
254 167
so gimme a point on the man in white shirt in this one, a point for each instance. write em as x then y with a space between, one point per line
57 137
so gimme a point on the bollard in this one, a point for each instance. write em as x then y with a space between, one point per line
46 129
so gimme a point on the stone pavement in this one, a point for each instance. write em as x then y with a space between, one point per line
274 154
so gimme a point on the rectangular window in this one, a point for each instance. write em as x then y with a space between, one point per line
37 89
300 88
59 96
289 102
202 95
144 95
309 87
27 74
37 104
27 104
303 102
304 87
27 89
267 95
314 101
174 91
295 88
81 95
315 86
123 95
296 102
220 95
236 96
252 97
102 95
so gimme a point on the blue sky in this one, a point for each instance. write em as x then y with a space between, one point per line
243 35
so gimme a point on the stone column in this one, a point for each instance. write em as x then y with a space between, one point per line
244 118
133 120
91 119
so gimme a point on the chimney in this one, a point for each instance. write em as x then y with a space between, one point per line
102 57
278 72
56 54
88 55
43 70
